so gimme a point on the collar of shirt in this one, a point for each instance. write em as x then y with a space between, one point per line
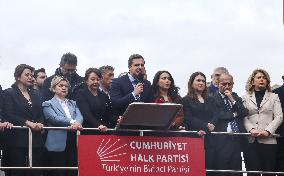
131 77
102 90
62 101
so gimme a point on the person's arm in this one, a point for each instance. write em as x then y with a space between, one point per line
239 108
247 123
277 116
117 98
9 107
78 115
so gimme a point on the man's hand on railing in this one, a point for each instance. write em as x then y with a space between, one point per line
5 125
34 126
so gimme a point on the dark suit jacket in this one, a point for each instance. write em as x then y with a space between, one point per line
280 92
17 111
197 115
74 80
225 116
121 94
1 103
96 110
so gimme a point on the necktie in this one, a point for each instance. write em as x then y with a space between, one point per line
134 83
233 123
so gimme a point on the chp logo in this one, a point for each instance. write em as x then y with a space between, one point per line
111 151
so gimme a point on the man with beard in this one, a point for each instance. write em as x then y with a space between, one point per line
67 70
131 87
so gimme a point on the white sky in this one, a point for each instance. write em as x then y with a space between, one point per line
181 36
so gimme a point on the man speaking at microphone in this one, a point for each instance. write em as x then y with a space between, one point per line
131 87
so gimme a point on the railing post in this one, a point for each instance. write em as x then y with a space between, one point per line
141 133
30 148
78 133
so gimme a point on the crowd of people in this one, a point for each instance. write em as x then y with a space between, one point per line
97 100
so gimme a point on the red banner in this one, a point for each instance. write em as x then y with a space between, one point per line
138 155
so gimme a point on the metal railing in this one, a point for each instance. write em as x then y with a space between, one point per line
141 133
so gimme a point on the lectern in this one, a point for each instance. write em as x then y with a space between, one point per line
151 116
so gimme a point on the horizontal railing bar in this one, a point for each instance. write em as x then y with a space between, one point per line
76 168
241 171
137 130
39 168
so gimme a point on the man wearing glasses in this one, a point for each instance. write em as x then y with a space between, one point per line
231 113
68 70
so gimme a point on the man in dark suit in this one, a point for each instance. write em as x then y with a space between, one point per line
231 113
67 69
280 130
131 87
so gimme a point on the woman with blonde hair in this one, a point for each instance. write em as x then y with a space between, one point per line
61 112
265 116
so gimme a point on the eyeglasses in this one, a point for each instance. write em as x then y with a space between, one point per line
226 84
69 70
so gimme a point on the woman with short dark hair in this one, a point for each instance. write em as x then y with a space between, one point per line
22 107
94 104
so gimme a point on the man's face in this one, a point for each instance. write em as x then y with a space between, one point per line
67 69
136 67
41 76
226 83
215 77
107 78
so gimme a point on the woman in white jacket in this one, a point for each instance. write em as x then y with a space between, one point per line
265 116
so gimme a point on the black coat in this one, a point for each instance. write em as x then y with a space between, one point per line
96 110
225 116
197 115
121 94
280 92
74 80
17 110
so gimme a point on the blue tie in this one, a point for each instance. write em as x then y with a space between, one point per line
134 83
233 123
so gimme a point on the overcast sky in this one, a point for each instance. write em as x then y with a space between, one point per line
181 36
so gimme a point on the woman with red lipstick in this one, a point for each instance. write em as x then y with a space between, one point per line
165 91
94 104
265 116
200 114
22 107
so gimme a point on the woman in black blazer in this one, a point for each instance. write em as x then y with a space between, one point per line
200 114
22 107
94 105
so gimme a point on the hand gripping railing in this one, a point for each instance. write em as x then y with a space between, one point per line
141 132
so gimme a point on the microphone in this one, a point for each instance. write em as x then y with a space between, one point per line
140 78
